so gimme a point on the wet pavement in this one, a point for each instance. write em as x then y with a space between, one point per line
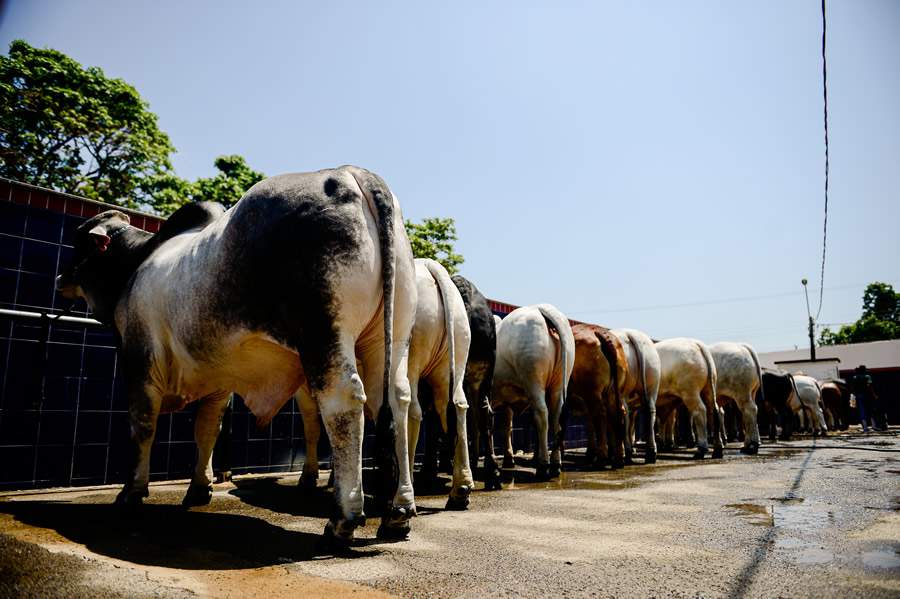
807 518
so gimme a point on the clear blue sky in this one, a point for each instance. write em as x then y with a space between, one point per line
604 157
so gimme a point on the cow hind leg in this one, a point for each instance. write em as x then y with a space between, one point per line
541 415
648 413
341 400
486 425
591 428
556 431
311 433
463 482
143 412
699 419
404 504
751 429
506 417
473 425
617 420
207 425
415 425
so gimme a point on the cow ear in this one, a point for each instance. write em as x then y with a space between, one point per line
101 239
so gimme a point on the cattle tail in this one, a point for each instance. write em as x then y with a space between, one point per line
712 410
379 197
445 287
559 326
753 355
608 347
642 367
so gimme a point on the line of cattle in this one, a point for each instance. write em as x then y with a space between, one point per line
307 288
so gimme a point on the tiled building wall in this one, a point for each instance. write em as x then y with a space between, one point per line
63 420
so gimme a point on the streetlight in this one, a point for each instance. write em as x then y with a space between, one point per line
812 327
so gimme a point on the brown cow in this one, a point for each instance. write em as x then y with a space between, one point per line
836 398
594 392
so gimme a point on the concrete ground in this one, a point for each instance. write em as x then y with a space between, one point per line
808 518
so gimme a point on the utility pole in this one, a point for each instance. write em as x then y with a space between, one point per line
812 325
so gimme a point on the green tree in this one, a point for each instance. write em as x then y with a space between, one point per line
433 238
225 187
880 319
228 185
74 129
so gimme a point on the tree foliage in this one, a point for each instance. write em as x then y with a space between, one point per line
234 177
76 130
880 319
433 238
228 185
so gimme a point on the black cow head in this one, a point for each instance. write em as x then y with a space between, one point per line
102 251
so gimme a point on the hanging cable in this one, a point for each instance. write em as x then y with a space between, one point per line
825 109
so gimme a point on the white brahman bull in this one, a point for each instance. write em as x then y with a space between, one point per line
535 357
437 355
807 400
439 347
640 387
688 374
306 276
738 377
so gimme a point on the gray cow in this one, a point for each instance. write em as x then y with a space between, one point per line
535 358
738 378
305 275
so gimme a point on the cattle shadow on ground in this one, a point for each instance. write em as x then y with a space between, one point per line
270 494
173 537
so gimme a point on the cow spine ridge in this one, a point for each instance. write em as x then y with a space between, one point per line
553 318
753 355
445 287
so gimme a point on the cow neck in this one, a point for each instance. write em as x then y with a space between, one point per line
127 251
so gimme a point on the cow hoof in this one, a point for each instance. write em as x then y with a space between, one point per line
698 455
554 470
542 472
308 482
617 463
629 461
751 449
335 542
460 502
508 462
197 495
393 533
650 457
396 525
493 484
718 453
223 477
130 500
339 535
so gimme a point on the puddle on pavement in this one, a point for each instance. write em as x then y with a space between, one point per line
758 515
804 552
882 558
592 481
